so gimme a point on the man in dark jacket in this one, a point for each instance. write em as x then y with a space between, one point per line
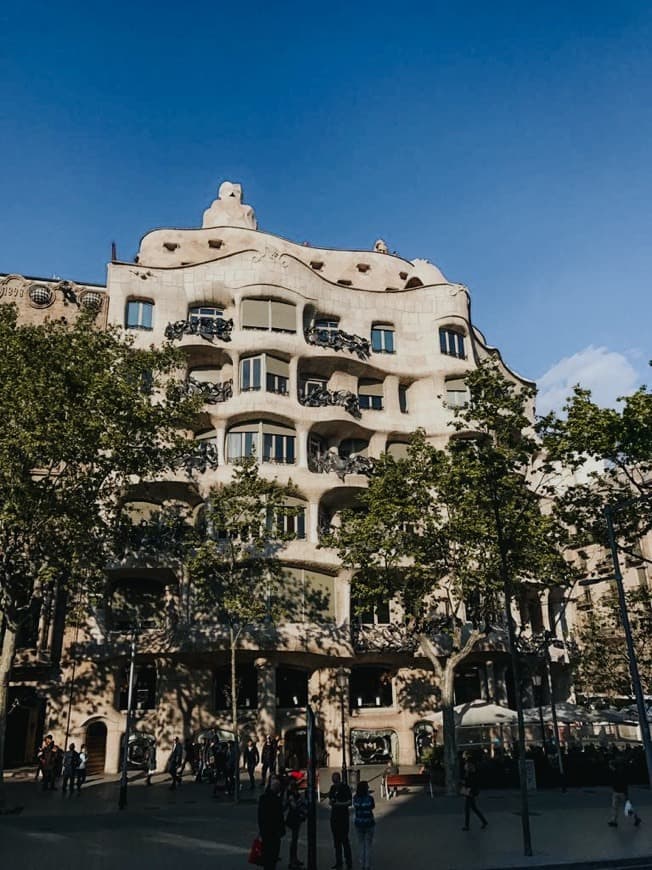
268 757
252 757
175 763
70 765
339 798
620 795
271 826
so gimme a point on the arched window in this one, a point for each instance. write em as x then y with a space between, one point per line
451 342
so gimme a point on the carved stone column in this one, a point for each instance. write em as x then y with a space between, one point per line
266 685
302 445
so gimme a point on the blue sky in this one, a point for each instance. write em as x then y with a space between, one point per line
507 142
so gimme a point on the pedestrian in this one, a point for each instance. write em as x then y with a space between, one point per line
57 764
46 760
296 812
175 762
252 758
470 789
70 763
271 826
150 761
231 766
363 807
340 799
620 796
268 757
80 774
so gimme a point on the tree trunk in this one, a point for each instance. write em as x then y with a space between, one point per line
451 763
234 714
6 661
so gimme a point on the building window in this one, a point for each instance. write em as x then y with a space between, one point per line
370 395
451 342
382 339
139 315
269 314
144 697
201 316
457 394
370 687
325 327
264 369
313 385
291 687
267 442
290 522
137 603
378 614
397 449
307 596
246 687
403 399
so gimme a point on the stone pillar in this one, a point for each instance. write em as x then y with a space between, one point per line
302 445
293 381
491 680
266 684
235 356
220 438
312 530
501 684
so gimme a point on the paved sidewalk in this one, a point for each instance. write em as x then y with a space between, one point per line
163 828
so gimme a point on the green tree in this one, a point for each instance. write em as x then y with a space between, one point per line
83 414
235 568
450 534
610 451
600 659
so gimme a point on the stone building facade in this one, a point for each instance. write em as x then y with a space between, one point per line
314 360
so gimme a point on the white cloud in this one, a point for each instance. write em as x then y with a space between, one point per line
607 373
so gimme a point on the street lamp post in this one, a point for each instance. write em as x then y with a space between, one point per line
537 681
122 800
342 680
631 653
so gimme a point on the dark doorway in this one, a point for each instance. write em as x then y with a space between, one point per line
296 748
25 717
96 748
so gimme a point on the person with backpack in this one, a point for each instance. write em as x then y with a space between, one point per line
364 822
69 767
470 789
296 812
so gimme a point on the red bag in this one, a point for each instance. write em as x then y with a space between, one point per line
256 852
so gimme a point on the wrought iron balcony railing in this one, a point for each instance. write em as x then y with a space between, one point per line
205 327
323 397
337 339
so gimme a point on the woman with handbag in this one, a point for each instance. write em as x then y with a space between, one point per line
470 789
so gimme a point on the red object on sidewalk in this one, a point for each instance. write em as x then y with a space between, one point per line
256 852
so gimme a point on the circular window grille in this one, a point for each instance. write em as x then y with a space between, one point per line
92 300
40 295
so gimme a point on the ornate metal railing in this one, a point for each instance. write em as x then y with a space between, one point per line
378 638
336 339
201 456
205 327
332 461
210 393
322 397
